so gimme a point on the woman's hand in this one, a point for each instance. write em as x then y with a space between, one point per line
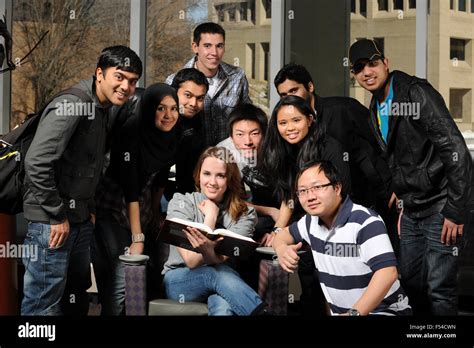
267 239
204 245
208 208
136 248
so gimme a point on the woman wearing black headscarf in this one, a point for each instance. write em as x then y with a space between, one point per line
129 193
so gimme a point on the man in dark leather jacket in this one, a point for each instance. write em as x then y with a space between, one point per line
431 175
63 166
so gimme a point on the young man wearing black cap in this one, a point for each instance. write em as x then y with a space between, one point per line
431 173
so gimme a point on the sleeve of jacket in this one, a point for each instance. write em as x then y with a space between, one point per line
48 145
451 146
334 153
371 163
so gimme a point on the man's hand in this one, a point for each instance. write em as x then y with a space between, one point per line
93 218
59 234
450 232
288 257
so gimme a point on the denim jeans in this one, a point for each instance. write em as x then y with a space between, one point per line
226 293
109 242
428 268
57 281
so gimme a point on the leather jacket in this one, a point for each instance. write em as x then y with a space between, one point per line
430 164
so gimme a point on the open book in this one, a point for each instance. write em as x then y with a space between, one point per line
233 244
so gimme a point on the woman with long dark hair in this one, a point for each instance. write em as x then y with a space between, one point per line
293 139
129 193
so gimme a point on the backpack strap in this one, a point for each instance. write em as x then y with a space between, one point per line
74 91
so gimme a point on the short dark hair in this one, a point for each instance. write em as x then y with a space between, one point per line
120 57
207 28
328 169
248 112
189 74
293 72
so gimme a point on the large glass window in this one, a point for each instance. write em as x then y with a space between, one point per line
247 23
77 30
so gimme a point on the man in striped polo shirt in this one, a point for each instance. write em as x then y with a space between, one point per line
351 249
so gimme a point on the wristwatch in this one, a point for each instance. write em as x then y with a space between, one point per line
277 229
353 312
138 237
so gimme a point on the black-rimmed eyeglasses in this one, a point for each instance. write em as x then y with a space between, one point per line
303 193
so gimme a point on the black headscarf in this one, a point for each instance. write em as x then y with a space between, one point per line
156 147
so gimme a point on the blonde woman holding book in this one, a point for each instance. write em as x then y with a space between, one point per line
206 276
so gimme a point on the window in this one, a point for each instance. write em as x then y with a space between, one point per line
232 14
363 8
459 100
243 11
462 6
268 8
383 5
472 6
266 62
412 4
451 4
380 41
353 6
250 59
398 5
458 49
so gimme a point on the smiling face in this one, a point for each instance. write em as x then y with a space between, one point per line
114 85
247 137
210 51
293 125
191 98
373 75
324 202
166 114
213 179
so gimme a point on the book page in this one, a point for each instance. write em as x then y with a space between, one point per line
197 225
227 233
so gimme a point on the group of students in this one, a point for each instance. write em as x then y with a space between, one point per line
322 170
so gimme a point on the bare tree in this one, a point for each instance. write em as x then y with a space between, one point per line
169 31
78 30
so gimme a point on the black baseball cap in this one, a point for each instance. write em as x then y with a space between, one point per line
364 49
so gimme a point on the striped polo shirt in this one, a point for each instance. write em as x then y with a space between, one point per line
347 255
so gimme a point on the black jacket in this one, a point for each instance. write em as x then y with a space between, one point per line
64 162
427 155
347 121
